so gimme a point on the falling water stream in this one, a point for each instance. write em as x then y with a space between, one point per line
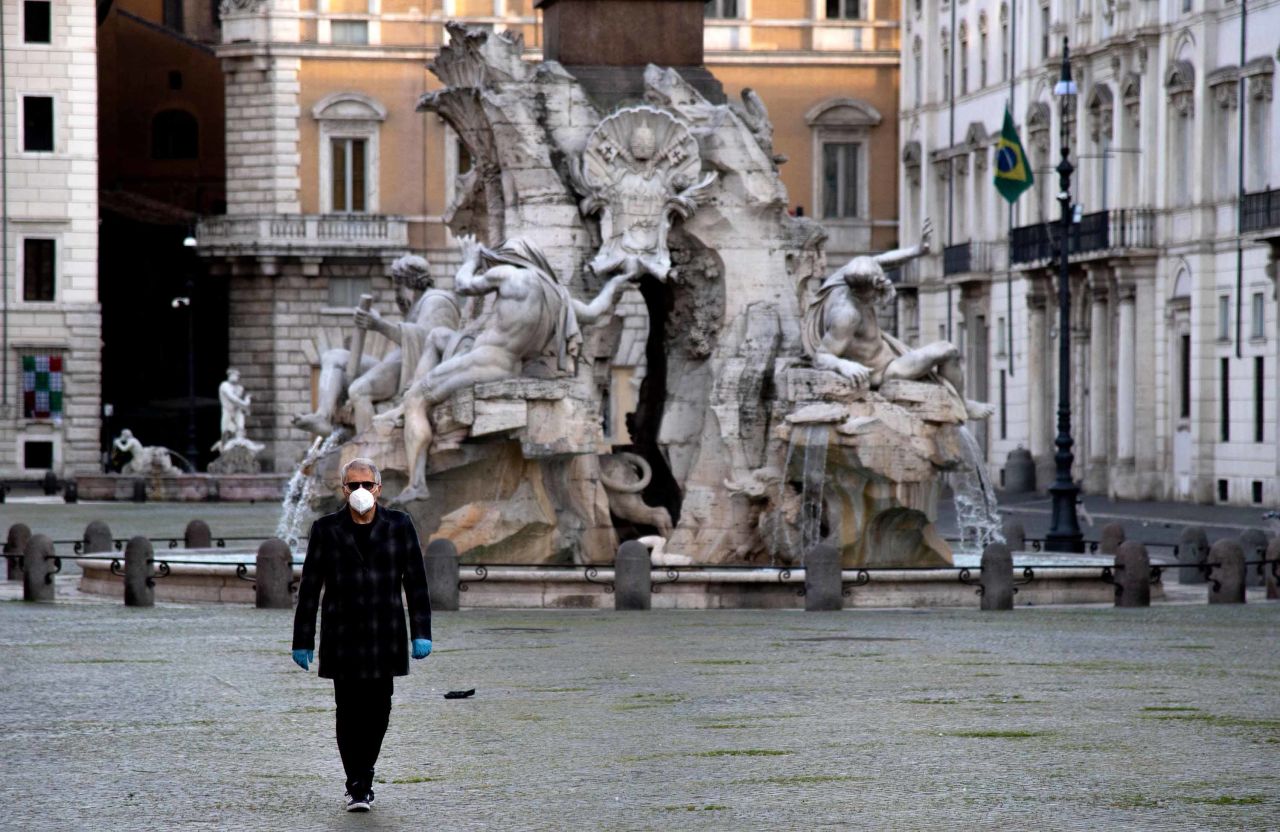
815 480
301 488
977 513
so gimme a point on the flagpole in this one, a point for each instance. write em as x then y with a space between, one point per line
1008 285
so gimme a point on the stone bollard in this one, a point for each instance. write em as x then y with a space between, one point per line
1227 560
1112 537
272 589
441 561
1133 575
97 538
1254 542
139 491
1015 536
823 583
37 570
15 547
1193 550
71 492
997 577
1273 585
1019 472
139 575
49 483
632 582
198 536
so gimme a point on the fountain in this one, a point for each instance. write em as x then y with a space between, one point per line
773 415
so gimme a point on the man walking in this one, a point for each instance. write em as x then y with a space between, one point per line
362 556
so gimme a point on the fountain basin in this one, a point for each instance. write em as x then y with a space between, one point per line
1059 579
184 488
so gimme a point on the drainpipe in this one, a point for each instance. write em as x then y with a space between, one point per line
951 159
1008 285
1244 17
4 224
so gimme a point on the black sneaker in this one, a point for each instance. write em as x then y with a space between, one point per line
358 804
370 797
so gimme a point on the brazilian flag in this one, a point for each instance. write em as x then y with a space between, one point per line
1013 174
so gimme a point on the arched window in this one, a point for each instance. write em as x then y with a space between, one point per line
349 124
841 132
1004 42
175 134
982 50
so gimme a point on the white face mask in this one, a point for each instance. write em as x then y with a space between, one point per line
360 500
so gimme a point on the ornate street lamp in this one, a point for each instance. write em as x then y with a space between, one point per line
1064 534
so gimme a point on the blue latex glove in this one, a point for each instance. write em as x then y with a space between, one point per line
421 648
305 657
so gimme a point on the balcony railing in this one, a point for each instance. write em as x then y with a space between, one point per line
302 234
966 258
1101 231
1261 211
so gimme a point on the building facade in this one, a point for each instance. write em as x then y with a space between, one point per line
1175 141
50 321
332 173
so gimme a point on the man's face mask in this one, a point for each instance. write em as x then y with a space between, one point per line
360 500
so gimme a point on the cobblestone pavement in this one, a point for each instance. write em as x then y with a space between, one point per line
186 717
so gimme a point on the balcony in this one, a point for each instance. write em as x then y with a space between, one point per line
966 258
1097 234
1261 211
313 235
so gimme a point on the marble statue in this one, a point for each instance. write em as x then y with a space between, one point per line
842 333
431 316
237 454
533 315
625 475
143 459
640 169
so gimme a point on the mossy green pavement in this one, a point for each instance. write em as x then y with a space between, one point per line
193 717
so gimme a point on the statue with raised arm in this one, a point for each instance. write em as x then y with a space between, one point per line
430 315
235 407
841 332
533 315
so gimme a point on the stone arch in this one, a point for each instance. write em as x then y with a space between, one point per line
1182 285
348 106
843 112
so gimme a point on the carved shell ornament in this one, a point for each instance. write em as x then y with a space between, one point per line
641 139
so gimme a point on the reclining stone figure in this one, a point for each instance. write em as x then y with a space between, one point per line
427 318
841 332
533 315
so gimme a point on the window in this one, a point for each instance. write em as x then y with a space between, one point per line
1224 318
982 55
37 123
917 76
1258 134
349 124
42 386
964 59
37 456
38 261
840 179
345 292
175 134
1184 369
1186 5
36 22
946 67
1224 396
1259 328
1001 336
1259 426
1004 43
1044 33
721 8
349 31
844 9
172 14
348 181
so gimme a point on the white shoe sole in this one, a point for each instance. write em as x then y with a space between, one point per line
358 807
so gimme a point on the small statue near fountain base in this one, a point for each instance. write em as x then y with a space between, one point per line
143 459
237 454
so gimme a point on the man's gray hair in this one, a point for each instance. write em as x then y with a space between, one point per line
362 462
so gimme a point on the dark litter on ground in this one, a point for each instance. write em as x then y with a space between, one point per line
460 694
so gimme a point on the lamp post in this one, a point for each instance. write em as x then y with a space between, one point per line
1064 534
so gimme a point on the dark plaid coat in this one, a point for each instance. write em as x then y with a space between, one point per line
362 621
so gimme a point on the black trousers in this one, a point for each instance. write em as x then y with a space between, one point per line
364 708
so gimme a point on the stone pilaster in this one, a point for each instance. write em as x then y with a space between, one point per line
1126 371
1095 473
1038 437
